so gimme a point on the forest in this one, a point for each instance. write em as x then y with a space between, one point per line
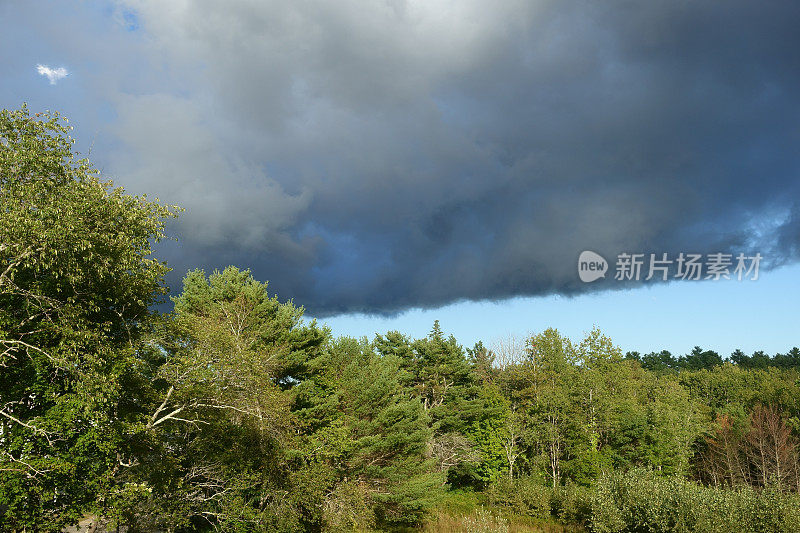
231 412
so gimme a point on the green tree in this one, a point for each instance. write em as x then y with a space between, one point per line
700 358
491 437
224 418
436 370
76 284
373 436
543 386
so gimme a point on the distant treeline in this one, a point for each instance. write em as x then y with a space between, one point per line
699 359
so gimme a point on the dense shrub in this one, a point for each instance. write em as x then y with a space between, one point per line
348 509
644 501
523 496
572 504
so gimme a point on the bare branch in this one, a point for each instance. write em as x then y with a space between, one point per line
12 343
28 466
46 434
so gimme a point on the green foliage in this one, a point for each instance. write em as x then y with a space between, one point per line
572 503
459 501
349 508
437 371
370 432
490 434
523 496
641 500
223 417
76 284
699 359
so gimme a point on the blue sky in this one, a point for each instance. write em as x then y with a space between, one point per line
720 315
432 160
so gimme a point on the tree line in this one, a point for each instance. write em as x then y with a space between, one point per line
232 412
706 359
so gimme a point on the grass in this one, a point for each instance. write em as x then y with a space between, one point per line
486 521
467 512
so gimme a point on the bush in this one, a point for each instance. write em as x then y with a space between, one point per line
459 502
644 501
535 498
523 496
572 504
348 509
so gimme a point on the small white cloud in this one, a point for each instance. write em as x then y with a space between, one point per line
53 74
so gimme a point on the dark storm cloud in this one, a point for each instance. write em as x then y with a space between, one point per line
375 156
